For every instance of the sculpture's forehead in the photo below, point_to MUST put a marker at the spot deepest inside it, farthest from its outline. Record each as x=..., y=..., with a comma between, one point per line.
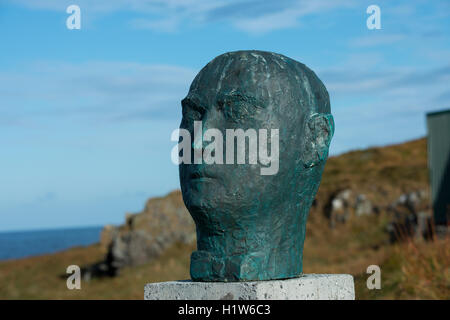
x=249, y=75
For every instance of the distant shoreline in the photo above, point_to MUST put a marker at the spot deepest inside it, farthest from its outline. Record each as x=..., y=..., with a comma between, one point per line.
x=30, y=243
x=50, y=229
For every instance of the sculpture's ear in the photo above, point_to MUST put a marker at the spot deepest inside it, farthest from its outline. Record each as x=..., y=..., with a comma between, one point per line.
x=318, y=133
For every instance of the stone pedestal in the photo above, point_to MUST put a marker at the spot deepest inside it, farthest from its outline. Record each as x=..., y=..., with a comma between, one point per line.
x=305, y=287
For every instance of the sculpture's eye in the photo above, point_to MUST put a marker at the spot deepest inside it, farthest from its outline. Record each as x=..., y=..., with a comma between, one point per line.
x=235, y=111
x=192, y=111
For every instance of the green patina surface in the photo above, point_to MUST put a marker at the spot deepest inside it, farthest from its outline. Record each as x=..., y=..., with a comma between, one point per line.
x=252, y=226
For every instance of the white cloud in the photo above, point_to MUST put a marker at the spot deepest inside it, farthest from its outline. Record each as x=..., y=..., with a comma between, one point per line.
x=384, y=106
x=268, y=22
x=364, y=101
x=106, y=91
x=254, y=16
x=163, y=25
x=374, y=40
x=286, y=17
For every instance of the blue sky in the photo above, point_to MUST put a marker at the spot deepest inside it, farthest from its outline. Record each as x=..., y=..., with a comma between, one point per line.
x=86, y=115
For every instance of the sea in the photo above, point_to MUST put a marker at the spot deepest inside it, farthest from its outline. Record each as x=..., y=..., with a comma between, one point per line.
x=20, y=244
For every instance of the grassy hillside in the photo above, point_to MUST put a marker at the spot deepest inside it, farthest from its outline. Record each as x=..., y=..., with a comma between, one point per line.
x=382, y=172
x=414, y=269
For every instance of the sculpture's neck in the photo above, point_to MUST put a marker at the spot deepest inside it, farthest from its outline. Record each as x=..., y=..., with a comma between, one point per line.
x=266, y=244
x=270, y=248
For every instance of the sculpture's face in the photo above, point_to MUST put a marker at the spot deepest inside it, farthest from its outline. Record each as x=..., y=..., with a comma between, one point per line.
x=240, y=98
x=251, y=214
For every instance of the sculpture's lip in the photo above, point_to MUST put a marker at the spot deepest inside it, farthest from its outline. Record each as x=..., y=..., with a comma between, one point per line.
x=200, y=175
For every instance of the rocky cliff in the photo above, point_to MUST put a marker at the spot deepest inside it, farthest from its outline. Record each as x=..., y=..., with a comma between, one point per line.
x=145, y=235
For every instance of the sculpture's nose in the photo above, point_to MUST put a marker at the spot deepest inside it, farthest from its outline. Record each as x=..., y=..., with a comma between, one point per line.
x=210, y=120
x=197, y=143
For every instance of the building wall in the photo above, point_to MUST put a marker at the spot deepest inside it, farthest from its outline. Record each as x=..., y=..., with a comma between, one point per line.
x=438, y=124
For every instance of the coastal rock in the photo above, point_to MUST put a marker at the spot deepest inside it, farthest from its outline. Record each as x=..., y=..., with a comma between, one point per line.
x=146, y=235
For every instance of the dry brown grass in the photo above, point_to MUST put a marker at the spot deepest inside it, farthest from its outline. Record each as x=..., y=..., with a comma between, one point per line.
x=412, y=270
x=425, y=269
x=43, y=277
x=382, y=173
x=348, y=248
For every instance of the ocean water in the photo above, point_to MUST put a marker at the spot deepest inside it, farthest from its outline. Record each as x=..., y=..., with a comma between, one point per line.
x=19, y=244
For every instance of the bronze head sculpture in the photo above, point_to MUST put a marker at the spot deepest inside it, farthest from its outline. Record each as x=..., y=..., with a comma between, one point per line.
x=251, y=223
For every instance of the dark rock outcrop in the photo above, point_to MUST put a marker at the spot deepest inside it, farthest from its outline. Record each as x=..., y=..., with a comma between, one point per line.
x=338, y=207
x=411, y=216
x=344, y=203
x=145, y=235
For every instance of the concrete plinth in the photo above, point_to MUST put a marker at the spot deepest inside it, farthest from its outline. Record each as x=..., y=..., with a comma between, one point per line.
x=305, y=287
